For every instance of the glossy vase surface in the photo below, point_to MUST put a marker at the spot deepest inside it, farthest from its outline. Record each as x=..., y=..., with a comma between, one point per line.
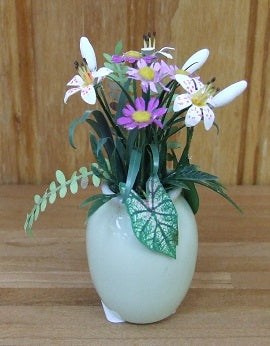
x=140, y=285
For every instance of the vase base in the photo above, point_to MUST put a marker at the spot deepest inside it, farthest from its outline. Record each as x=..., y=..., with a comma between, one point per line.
x=111, y=315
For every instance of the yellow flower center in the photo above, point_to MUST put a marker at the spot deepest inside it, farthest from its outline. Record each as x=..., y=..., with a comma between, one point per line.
x=147, y=73
x=141, y=116
x=133, y=54
x=200, y=98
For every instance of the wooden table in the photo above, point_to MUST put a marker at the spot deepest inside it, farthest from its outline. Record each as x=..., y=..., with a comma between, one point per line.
x=47, y=298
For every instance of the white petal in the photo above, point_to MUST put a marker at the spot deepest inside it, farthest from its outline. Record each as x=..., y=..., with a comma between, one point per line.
x=191, y=85
x=196, y=61
x=88, y=94
x=101, y=73
x=70, y=92
x=167, y=55
x=88, y=53
x=208, y=117
x=229, y=94
x=163, y=52
x=193, y=117
x=76, y=81
x=181, y=102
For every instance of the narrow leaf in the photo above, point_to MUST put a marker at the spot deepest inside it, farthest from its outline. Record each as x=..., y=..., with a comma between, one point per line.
x=73, y=126
x=133, y=169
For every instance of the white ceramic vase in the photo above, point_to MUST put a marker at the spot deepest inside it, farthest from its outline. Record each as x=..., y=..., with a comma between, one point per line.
x=134, y=283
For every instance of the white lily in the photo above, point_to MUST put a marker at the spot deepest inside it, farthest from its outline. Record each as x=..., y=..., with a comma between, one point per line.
x=228, y=94
x=88, y=75
x=149, y=47
x=196, y=61
x=201, y=99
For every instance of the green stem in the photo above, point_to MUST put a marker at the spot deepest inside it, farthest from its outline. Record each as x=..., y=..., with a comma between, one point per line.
x=104, y=104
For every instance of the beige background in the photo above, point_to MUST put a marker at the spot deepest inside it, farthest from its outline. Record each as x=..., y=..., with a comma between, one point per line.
x=39, y=42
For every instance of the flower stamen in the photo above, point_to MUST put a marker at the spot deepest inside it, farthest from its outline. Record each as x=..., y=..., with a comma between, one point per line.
x=200, y=97
x=84, y=72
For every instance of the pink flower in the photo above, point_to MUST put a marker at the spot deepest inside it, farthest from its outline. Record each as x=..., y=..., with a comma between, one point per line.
x=142, y=114
x=148, y=75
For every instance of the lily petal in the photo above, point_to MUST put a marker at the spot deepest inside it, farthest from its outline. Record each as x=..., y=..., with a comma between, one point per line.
x=191, y=85
x=76, y=81
x=88, y=53
x=228, y=94
x=163, y=52
x=193, y=116
x=88, y=94
x=208, y=117
x=181, y=102
x=70, y=92
x=102, y=72
x=196, y=61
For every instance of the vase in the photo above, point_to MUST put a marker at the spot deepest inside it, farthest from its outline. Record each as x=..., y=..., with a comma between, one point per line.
x=136, y=284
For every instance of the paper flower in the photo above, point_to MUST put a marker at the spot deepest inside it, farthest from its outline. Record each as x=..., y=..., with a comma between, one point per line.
x=148, y=75
x=88, y=75
x=148, y=52
x=200, y=98
x=142, y=114
x=190, y=66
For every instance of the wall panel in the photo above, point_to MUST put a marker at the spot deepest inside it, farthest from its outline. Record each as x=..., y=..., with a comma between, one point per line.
x=40, y=40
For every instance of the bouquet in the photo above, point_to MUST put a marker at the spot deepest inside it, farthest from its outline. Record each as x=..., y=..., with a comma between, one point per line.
x=144, y=102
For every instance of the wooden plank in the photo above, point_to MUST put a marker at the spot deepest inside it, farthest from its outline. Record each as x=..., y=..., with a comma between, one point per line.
x=47, y=296
x=40, y=41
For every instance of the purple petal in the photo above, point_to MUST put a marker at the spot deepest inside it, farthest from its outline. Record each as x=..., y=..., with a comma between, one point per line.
x=140, y=104
x=159, y=112
x=153, y=103
x=117, y=59
x=158, y=123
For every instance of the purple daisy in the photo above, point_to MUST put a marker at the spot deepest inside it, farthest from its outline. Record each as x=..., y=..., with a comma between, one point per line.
x=142, y=115
x=149, y=75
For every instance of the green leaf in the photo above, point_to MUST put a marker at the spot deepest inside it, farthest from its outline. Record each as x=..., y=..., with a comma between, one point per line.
x=73, y=126
x=96, y=202
x=155, y=156
x=74, y=186
x=43, y=204
x=36, y=213
x=37, y=199
x=52, y=186
x=96, y=180
x=154, y=220
x=63, y=191
x=191, y=196
x=133, y=169
x=107, y=57
x=52, y=197
x=173, y=145
x=118, y=48
x=60, y=177
x=83, y=171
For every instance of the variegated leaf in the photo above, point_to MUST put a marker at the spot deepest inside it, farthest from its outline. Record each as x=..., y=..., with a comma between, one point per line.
x=154, y=220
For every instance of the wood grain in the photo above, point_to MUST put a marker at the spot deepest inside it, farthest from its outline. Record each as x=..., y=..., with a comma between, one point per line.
x=40, y=40
x=47, y=296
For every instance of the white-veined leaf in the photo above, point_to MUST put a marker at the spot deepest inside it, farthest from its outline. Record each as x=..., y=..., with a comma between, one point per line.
x=154, y=220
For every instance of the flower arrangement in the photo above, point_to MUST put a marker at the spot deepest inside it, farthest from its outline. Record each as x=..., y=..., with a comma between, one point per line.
x=143, y=102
